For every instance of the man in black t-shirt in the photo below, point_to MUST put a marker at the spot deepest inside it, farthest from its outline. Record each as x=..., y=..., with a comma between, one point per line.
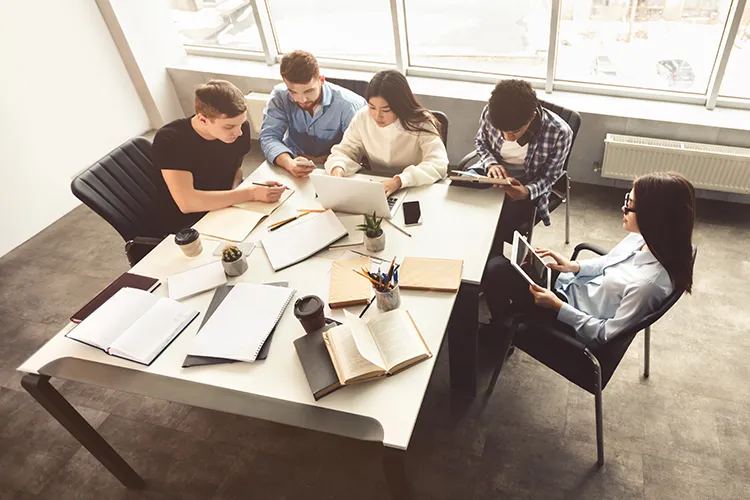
x=200, y=157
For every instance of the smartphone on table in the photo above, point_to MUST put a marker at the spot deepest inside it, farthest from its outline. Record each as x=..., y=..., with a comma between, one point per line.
x=412, y=213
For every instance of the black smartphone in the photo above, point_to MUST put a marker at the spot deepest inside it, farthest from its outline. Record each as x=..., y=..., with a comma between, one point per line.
x=412, y=213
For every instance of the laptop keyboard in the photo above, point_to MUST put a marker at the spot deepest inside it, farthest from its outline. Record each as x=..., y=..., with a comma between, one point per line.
x=392, y=201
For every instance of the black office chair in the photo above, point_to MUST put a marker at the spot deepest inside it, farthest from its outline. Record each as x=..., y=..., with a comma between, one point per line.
x=590, y=366
x=357, y=86
x=561, y=188
x=125, y=189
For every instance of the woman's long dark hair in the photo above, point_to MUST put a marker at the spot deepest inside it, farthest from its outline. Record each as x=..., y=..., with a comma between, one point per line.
x=393, y=87
x=665, y=212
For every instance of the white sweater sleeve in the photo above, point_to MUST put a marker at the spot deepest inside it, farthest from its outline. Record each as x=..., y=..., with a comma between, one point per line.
x=434, y=164
x=349, y=151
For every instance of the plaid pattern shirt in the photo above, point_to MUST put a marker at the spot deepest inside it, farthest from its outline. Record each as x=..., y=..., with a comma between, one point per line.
x=544, y=159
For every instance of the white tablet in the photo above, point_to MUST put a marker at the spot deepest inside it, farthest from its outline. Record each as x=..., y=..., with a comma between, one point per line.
x=528, y=263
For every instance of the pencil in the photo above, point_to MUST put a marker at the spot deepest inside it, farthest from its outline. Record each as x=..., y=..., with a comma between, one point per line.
x=309, y=210
x=394, y=225
x=367, y=306
x=373, y=257
x=267, y=185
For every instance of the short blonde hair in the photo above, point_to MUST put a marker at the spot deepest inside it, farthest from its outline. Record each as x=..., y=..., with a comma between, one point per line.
x=219, y=98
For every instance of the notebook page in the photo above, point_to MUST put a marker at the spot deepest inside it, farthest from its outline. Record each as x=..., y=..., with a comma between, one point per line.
x=196, y=280
x=260, y=207
x=231, y=223
x=242, y=322
x=350, y=223
x=151, y=333
x=302, y=238
x=113, y=317
x=396, y=337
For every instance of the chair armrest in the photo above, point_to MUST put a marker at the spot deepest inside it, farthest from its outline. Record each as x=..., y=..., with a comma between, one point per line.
x=587, y=246
x=467, y=159
x=138, y=247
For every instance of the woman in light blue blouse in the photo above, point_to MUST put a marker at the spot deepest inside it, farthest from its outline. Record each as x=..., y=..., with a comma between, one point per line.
x=598, y=298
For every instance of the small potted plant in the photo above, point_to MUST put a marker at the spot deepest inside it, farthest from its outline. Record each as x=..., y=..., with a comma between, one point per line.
x=374, y=235
x=234, y=262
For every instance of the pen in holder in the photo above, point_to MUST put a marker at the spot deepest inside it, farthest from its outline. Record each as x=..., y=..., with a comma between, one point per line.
x=387, y=294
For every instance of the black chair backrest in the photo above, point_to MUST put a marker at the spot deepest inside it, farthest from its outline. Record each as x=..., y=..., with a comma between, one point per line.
x=125, y=189
x=572, y=118
x=443, y=119
x=356, y=86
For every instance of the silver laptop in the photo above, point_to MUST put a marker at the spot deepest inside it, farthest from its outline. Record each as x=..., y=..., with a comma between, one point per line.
x=355, y=195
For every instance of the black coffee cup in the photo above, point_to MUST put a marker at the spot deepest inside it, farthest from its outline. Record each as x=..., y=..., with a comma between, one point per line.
x=309, y=311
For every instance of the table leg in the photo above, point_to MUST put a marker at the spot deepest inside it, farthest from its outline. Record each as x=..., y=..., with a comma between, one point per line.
x=46, y=395
x=395, y=474
x=462, y=340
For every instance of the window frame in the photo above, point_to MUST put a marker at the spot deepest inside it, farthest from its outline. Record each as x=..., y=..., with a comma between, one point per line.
x=710, y=99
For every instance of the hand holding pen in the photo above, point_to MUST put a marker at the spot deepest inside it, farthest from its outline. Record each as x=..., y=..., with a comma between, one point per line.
x=268, y=192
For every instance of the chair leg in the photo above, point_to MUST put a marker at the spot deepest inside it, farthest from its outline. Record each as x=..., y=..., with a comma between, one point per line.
x=567, y=209
x=597, y=407
x=647, y=352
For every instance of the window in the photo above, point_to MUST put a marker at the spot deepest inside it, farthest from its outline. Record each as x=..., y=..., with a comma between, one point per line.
x=735, y=83
x=218, y=23
x=656, y=44
x=501, y=36
x=357, y=30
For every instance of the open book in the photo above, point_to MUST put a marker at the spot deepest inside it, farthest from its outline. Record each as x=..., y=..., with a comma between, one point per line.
x=134, y=324
x=236, y=222
x=384, y=345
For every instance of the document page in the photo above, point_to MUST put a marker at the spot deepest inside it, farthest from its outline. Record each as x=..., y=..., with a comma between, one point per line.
x=348, y=360
x=364, y=341
x=396, y=337
x=115, y=316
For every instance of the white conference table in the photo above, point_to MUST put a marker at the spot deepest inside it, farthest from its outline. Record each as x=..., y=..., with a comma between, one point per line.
x=458, y=223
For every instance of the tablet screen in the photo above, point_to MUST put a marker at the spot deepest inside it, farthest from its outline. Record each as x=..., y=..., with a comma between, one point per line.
x=530, y=263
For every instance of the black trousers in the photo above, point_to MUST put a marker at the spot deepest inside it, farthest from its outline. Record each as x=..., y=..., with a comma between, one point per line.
x=507, y=293
x=514, y=215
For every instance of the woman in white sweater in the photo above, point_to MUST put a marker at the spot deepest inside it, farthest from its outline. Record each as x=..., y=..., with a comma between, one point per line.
x=395, y=133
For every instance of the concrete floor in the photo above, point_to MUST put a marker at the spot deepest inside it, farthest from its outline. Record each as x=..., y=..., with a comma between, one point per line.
x=682, y=434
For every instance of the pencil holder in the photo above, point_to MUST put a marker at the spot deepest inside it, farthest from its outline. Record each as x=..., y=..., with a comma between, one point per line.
x=389, y=300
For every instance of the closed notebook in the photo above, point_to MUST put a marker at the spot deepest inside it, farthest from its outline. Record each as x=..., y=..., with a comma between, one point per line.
x=126, y=280
x=347, y=287
x=243, y=321
x=302, y=238
x=442, y=275
x=134, y=324
x=219, y=295
x=196, y=280
x=354, y=237
x=316, y=362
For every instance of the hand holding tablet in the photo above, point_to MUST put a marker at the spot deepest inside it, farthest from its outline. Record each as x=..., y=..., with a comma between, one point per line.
x=528, y=263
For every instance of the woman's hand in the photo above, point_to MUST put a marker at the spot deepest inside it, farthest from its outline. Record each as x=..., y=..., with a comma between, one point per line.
x=561, y=263
x=545, y=298
x=391, y=185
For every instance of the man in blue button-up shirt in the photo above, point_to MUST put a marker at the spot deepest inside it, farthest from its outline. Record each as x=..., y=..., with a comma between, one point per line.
x=305, y=116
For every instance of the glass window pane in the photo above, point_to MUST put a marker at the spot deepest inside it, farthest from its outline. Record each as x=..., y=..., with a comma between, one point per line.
x=655, y=44
x=357, y=30
x=502, y=36
x=735, y=82
x=217, y=23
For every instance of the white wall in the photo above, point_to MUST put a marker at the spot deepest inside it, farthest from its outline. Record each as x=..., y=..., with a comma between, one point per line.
x=65, y=101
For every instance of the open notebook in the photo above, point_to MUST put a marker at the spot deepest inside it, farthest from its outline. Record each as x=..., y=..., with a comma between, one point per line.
x=243, y=321
x=134, y=324
x=302, y=238
x=236, y=222
x=364, y=350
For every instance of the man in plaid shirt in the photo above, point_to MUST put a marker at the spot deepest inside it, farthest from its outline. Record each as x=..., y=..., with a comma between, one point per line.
x=525, y=143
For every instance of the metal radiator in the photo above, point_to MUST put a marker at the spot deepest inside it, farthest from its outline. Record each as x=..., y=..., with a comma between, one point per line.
x=707, y=166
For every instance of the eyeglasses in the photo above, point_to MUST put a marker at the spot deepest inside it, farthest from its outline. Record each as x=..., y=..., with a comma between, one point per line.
x=625, y=207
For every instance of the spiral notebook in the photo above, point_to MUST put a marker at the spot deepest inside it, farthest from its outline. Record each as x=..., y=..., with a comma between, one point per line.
x=241, y=324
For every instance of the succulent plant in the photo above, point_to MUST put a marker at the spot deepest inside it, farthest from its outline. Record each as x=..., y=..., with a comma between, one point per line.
x=231, y=253
x=371, y=227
